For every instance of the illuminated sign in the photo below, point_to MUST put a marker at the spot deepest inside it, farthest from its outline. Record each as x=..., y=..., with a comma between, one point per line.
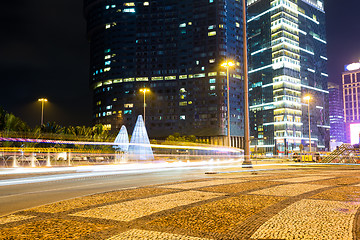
x=354, y=133
x=352, y=67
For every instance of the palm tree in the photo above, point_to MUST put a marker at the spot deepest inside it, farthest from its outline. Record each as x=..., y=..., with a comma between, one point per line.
x=53, y=128
x=13, y=123
x=12, y=126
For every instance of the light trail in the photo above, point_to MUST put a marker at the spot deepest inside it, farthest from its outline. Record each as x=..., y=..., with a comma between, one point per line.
x=65, y=188
x=98, y=170
x=218, y=149
x=273, y=169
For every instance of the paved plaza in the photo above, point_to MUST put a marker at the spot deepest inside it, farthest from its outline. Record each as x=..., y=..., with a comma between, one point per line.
x=298, y=203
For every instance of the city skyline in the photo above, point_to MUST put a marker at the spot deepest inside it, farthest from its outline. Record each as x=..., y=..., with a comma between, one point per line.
x=45, y=46
x=175, y=49
x=288, y=62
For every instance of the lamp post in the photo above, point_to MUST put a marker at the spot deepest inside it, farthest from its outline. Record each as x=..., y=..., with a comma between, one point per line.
x=307, y=98
x=247, y=161
x=144, y=91
x=43, y=101
x=227, y=65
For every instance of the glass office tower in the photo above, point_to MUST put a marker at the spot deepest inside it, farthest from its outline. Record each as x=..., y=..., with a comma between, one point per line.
x=173, y=48
x=287, y=44
x=336, y=113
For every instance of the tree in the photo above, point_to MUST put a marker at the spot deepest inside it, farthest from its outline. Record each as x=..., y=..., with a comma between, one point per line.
x=301, y=147
x=52, y=127
x=12, y=126
x=176, y=137
x=2, y=119
x=13, y=123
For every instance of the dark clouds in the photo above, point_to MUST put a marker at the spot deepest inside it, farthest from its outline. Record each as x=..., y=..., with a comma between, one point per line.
x=44, y=52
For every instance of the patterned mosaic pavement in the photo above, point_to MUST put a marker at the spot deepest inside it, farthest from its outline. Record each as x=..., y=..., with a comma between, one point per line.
x=303, y=204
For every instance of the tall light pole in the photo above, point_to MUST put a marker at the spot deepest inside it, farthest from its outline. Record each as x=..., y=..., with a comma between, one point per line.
x=246, y=90
x=307, y=98
x=43, y=101
x=227, y=65
x=144, y=91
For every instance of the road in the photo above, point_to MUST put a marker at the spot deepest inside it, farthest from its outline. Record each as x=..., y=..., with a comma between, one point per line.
x=23, y=192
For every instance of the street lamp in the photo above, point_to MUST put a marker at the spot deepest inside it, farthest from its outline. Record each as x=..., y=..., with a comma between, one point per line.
x=307, y=98
x=227, y=65
x=247, y=161
x=144, y=91
x=43, y=101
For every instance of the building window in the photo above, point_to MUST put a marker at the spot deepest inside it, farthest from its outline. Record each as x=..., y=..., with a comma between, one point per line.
x=128, y=105
x=127, y=111
x=212, y=33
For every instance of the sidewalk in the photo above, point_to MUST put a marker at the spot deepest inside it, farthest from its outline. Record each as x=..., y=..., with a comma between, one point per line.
x=313, y=203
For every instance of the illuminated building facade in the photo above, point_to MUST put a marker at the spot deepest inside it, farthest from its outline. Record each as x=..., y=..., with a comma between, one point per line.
x=287, y=49
x=174, y=48
x=351, y=97
x=336, y=113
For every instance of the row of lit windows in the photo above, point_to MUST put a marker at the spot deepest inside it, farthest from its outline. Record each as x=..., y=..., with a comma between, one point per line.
x=287, y=111
x=287, y=98
x=287, y=62
x=351, y=91
x=285, y=40
x=127, y=4
x=288, y=79
x=288, y=133
x=349, y=79
x=286, y=3
x=160, y=78
x=288, y=118
x=129, y=112
x=284, y=52
x=283, y=33
x=284, y=14
x=280, y=22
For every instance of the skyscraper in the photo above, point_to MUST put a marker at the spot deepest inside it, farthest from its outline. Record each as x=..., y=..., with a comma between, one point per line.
x=336, y=113
x=287, y=44
x=174, y=48
x=351, y=97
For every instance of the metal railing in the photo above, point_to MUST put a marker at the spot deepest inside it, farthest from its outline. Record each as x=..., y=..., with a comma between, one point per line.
x=346, y=153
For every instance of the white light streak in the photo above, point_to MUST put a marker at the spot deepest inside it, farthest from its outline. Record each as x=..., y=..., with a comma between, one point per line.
x=311, y=70
x=316, y=89
x=325, y=58
x=259, y=69
x=320, y=40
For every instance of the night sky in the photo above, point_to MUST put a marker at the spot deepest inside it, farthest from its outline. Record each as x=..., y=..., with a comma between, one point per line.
x=44, y=53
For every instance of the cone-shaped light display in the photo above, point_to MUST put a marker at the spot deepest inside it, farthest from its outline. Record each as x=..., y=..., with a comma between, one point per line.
x=139, y=148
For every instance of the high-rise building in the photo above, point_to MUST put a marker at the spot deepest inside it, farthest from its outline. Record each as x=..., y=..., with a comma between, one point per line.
x=174, y=48
x=351, y=97
x=287, y=44
x=336, y=113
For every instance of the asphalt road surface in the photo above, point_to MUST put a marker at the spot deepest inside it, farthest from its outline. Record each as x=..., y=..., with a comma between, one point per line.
x=27, y=191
